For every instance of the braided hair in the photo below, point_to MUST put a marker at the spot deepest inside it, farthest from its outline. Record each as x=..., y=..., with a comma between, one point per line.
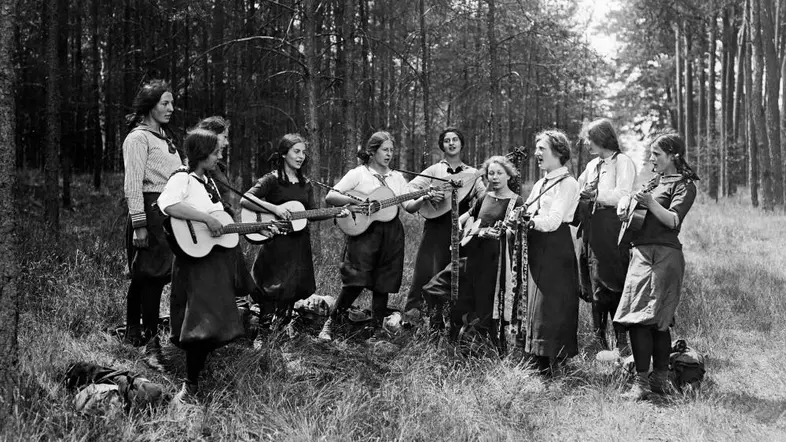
x=672, y=143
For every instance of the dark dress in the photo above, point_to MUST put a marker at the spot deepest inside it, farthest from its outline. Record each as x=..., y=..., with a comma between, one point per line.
x=433, y=254
x=553, y=304
x=478, y=268
x=284, y=267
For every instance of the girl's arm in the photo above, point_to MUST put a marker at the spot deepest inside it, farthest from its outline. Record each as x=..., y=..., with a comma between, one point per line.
x=184, y=211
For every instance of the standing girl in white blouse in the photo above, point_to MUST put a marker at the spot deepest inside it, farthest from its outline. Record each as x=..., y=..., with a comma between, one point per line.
x=602, y=263
x=202, y=304
x=553, y=303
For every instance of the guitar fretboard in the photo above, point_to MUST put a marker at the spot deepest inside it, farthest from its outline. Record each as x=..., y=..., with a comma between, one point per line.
x=316, y=213
x=244, y=228
x=401, y=198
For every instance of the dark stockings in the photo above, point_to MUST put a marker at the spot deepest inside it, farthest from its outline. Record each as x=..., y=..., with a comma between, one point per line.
x=195, y=362
x=647, y=342
x=143, y=299
x=348, y=295
x=601, y=312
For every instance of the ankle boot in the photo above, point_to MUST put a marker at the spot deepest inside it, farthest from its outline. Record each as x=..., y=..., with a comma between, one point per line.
x=327, y=331
x=660, y=382
x=133, y=336
x=640, y=389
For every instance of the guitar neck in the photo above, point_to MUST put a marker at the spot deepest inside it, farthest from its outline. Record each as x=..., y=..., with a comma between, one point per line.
x=317, y=213
x=401, y=198
x=245, y=228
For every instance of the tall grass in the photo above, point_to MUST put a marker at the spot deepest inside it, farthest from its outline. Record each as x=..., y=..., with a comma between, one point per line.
x=407, y=388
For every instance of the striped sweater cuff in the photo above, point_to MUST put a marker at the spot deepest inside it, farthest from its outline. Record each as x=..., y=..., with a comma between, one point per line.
x=138, y=220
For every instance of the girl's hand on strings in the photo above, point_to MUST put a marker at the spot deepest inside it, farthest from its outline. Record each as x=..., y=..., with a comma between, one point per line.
x=282, y=212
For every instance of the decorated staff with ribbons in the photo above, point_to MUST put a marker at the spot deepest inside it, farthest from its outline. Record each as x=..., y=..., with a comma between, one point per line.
x=550, y=328
x=434, y=250
x=654, y=279
x=284, y=266
x=485, y=266
x=202, y=303
x=602, y=263
x=150, y=157
x=374, y=251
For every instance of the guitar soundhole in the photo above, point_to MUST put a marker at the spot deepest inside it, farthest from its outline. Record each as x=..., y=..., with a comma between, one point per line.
x=191, y=231
x=259, y=217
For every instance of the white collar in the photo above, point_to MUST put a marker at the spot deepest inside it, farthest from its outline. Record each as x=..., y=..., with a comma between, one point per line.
x=557, y=172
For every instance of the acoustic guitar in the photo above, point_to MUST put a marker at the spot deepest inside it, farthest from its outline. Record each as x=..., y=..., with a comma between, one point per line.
x=297, y=222
x=380, y=205
x=634, y=217
x=193, y=238
x=472, y=229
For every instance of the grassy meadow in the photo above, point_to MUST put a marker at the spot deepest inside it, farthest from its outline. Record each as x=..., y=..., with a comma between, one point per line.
x=408, y=388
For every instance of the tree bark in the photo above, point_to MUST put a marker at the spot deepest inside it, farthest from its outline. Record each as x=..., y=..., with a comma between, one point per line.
x=65, y=106
x=311, y=76
x=690, y=129
x=348, y=102
x=424, y=81
x=53, y=104
x=757, y=109
x=9, y=294
x=772, y=85
x=712, y=136
x=678, y=75
x=493, y=76
x=98, y=144
x=753, y=157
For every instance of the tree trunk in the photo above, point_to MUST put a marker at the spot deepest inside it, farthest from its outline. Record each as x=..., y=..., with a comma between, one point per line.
x=424, y=81
x=702, y=144
x=52, y=143
x=753, y=157
x=712, y=136
x=736, y=125
x=348, y=102
x=98, y=145
x=493, y=76
x=678, y=75
x=311, y=76
x=65, y=107
x=690, y=129
x=757, y=109
x=9, y=295
x=772, y=112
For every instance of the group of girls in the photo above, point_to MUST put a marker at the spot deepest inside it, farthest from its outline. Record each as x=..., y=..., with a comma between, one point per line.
x=642, y=300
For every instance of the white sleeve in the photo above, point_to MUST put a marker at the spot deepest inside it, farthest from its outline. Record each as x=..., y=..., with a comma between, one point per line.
x=175, y=191
x=626, y=176
x=564, y=201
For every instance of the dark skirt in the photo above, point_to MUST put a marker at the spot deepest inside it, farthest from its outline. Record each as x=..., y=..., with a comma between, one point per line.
x=478, y=269
x=433, y=255
x=553, y=304
x=604, y=263
x=155, y=260
x=284, y=267
x=375, y=258
x=202, y=304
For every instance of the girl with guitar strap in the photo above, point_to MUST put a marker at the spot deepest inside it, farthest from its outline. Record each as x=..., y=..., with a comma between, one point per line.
x=434, y=250
x=550, y=330
x=654, y=279
x=373, y=259
x=202, y=303
x=284, y=266
x=483, y=255
x=602, y=263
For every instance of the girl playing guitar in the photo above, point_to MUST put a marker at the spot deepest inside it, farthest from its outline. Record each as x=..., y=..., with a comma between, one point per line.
x=374, y=259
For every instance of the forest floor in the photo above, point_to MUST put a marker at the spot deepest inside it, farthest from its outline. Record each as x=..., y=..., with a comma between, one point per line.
x=406, y=388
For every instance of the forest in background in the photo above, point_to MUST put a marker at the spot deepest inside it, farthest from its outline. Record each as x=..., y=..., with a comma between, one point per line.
x=333, y=70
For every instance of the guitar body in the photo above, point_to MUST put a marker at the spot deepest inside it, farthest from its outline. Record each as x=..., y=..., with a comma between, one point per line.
x=194, y=239
x=354, y=226
x=633, y=222
x=430, y=210
x=250, y=216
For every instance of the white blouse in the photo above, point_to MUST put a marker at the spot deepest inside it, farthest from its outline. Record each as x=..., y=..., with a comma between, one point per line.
x=557, y=205
x=617, y=175
x=189, y=189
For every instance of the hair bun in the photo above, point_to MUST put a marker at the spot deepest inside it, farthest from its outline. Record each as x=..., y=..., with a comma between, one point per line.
x=362, y=154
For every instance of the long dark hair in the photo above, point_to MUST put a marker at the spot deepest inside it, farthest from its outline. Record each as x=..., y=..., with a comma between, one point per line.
x=602, y=133
x=458, y=133
x=286, y=143
x=673, y=144
x=199, y=144
x=376, y=140
x=146, y=99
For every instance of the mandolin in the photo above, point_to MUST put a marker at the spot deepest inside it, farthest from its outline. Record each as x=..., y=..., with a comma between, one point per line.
x=297, y=222
x=193, y=238
x=634, y=217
